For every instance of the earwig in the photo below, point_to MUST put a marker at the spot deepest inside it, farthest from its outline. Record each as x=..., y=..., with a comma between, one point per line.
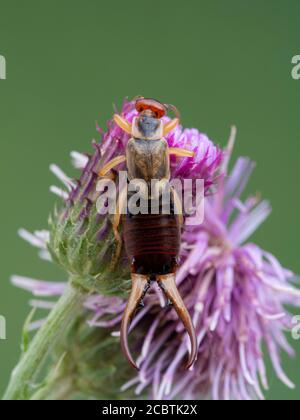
x=152, y=241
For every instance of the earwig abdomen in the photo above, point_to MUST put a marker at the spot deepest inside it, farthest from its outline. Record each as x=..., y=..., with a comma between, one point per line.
x=152, y=243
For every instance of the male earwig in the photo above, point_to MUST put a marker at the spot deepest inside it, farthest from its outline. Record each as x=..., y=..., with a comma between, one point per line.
x=152, y=242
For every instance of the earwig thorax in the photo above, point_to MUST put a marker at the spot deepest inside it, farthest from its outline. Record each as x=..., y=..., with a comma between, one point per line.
x=147, y=127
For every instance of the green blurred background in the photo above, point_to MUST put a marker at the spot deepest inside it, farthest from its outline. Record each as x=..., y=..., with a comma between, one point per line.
x=220, y=62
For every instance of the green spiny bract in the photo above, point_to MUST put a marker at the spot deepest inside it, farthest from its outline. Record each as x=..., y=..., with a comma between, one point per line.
x=86, y=364
x=84, y=247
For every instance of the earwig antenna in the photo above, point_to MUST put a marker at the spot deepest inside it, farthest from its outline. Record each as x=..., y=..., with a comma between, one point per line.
x=173, y=109
x=136, y=98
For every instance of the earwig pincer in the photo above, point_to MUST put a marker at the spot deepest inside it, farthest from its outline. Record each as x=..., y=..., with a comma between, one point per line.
x=152, y=241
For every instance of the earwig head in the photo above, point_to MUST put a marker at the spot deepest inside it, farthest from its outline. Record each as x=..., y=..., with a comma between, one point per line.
x=148, y=125
x=150, y=107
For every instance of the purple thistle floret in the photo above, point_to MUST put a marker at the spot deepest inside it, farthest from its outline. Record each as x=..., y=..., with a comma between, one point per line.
x=235, y=292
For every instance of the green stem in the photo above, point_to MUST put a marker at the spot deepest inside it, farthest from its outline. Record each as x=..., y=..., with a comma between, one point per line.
x=32, y=361
x=62, y=390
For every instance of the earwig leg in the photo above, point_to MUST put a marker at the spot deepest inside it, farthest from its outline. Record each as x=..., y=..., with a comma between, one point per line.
x=178, y=206
x=181, y=152
x=140, y=285
x=111, y=164
x=118, y=250
x=122, y=123
x=169, y=126
x=168, y=285
x=116, y=221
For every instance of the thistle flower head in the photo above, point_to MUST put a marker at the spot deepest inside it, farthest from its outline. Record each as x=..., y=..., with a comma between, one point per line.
x=235, y=292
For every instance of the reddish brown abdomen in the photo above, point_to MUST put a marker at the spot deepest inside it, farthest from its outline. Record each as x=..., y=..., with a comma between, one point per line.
x=152, y=242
